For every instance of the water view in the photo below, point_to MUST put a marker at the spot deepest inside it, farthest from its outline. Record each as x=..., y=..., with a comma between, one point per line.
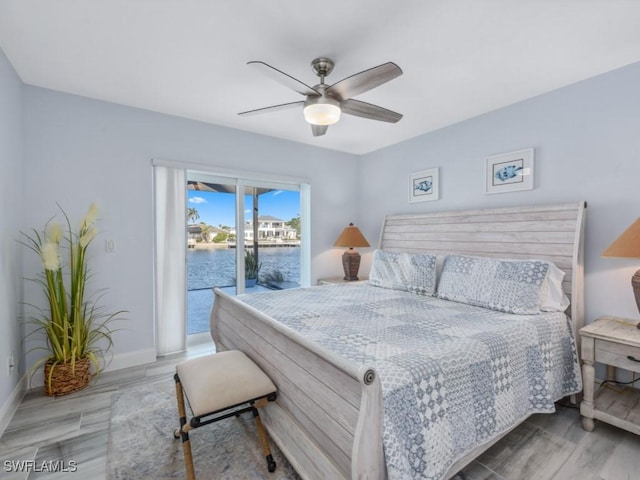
x=216, y=267
x=208, y=268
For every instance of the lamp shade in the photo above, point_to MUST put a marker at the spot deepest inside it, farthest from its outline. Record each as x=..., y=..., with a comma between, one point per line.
x=351, y=237
x=627, y=245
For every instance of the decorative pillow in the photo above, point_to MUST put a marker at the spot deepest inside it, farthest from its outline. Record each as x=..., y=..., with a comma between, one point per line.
x=512, y=286
x=404, y=271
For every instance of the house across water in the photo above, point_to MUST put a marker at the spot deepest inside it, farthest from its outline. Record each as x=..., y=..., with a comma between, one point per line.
x=270, y=229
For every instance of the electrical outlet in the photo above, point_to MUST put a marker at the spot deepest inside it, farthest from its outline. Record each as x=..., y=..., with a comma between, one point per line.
x=110, y=245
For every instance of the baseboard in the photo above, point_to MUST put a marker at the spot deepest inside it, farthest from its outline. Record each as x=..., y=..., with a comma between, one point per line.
x=12, y=403
x=198, y=339
x=131, y=359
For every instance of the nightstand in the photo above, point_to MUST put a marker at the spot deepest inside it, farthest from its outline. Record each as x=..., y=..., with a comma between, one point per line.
x=614, y=342
x=337, y=280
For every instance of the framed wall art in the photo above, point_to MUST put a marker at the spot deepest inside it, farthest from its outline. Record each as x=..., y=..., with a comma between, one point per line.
x=424, y=186
x=509, y=172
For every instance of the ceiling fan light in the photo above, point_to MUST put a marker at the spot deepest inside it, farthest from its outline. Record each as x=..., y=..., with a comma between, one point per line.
x=322, y=113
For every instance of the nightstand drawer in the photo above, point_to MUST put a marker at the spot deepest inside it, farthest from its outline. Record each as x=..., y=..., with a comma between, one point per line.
x=616, y=354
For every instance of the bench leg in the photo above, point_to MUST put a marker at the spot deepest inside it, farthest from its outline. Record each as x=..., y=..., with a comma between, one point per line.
x=183, y=431
x=271, y=464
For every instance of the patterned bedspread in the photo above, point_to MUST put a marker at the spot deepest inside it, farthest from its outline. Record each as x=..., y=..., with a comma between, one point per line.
x=453, y=375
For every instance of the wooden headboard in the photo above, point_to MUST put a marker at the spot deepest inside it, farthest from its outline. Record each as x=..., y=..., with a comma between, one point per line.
x=551, y=232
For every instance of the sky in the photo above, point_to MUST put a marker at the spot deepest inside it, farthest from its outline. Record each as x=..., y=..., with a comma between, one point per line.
x=219, y=208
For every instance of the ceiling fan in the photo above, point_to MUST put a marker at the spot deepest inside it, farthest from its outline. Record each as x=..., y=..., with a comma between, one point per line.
x=324, y=103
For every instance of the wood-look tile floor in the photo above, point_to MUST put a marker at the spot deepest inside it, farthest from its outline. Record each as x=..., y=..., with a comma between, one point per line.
x=76, y=427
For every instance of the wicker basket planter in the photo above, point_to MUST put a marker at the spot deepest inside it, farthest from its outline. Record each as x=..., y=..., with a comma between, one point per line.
x=65, y=379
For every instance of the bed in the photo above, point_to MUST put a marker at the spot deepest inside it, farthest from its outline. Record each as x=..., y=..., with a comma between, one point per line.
x=331, y=419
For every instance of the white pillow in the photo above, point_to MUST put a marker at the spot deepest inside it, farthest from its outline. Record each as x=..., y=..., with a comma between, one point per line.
x=552, y=296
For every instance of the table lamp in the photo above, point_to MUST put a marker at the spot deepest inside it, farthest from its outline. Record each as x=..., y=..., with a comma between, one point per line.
x=351, y=237
x=627, y=245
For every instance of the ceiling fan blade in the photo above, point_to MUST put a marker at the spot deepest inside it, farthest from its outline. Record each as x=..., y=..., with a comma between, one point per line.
x=368, y=110
x=319, y=130
x=364, y=81
x=284, y=78
x=273, y=108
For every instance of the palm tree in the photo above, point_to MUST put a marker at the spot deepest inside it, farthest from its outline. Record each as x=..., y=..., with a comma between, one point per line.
x=294, y=223
x=205, y=230
x=192, y=214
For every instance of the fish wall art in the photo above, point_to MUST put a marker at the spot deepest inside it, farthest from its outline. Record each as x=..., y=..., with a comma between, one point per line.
x=424, y=185
x=509, y=172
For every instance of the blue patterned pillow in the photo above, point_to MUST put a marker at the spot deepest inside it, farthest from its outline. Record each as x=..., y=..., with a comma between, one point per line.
x=404, y=271
x=512, y=286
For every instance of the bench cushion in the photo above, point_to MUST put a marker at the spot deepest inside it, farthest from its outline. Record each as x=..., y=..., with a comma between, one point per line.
x=221, y=380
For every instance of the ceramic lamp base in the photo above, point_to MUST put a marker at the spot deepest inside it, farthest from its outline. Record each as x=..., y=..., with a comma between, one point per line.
x=351, y=264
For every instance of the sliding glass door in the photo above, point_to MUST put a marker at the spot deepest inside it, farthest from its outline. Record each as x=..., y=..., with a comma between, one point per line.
x=244, y=236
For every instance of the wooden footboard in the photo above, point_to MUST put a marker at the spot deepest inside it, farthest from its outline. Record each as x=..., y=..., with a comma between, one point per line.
x=328, y=416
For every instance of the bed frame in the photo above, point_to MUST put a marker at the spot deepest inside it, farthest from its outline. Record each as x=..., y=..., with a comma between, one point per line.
x=328, y=416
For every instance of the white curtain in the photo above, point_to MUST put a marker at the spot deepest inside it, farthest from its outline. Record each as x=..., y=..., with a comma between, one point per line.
x=170, y=268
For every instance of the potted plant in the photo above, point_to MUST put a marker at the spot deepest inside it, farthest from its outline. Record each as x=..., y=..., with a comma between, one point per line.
x=76, y=328
x=251, y=268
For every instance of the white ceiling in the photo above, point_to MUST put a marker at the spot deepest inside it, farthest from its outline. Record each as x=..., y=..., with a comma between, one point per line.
x=188, y=58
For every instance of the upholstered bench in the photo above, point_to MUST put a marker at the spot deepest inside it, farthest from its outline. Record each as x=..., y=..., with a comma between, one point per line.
x=216, y=387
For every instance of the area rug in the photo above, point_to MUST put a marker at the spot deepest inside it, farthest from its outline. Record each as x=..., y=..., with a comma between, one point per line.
x=142, y=446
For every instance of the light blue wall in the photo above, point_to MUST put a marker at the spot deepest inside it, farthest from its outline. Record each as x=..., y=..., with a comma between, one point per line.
x=80, y=150
x=11, y=196
x=587, y=147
